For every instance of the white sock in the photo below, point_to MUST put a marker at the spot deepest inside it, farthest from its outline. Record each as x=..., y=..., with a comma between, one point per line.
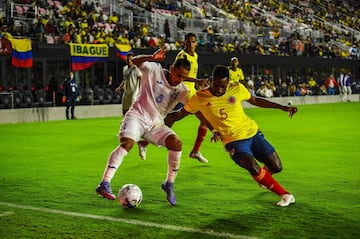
x=114, y=161
x=173, y=165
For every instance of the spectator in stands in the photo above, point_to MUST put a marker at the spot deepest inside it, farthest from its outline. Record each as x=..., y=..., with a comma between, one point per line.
x=354, y=52
x=102, y=17
x=283, y=89
x=307, y=47
x=167, y=29
x=98, y=9
x=70, y=36
x=180, y=23
x=331, y=85
x=114, y=19
x=322, y=90
x=5, y=33
x=313, y=85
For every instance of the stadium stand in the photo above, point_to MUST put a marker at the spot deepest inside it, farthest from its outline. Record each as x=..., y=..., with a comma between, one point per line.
x=323, y=29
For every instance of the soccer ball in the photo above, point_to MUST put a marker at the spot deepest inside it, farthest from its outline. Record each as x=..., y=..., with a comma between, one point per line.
x=130, y=195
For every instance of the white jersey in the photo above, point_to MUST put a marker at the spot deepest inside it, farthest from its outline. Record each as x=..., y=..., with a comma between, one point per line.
x=157, y=97
x=131, y=86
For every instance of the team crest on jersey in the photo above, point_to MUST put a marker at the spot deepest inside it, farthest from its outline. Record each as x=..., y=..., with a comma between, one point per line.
x=232, y=100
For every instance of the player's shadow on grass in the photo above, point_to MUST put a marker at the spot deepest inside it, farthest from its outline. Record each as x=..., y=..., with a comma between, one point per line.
x=302, y=219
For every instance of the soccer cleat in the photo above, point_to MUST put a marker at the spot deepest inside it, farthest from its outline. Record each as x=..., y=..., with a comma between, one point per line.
x=105, y=191
x=197, y=155
x=142, y=151
x=286, y=200
x=170, y=194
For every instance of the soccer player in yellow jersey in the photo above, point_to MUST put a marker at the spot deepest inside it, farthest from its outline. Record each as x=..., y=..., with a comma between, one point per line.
x=235, y=72
x=190, y=54
x=221, y=110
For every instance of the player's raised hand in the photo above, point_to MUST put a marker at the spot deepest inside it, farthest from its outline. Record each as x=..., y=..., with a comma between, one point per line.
x=159, y=55
x=203, y=83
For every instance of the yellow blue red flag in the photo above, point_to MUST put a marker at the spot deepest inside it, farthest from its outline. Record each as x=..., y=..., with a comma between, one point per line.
x=85, y=55
x=21, y=53
x=122, y=50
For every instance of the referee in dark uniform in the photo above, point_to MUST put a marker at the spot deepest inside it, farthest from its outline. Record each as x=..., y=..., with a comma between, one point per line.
x=71, y=92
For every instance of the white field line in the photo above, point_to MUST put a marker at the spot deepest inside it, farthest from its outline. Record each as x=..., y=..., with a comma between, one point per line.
x=130, y=221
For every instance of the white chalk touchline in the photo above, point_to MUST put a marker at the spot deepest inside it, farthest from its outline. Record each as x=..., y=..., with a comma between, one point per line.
x=129, y=221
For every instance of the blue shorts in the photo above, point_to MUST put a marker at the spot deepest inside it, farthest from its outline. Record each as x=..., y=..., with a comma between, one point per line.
x=178, y=107
x=256, y=147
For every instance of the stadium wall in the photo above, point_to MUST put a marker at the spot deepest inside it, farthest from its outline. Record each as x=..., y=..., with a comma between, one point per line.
x=12, y=116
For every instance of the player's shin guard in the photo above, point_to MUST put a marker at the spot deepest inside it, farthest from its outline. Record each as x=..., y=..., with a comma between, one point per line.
x=266, y=179
x=114, y=161
x=202, y=130
x=174, y=158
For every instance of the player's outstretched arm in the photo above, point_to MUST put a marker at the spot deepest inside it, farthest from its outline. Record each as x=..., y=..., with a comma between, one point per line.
x=158, y=55
x=263, y=103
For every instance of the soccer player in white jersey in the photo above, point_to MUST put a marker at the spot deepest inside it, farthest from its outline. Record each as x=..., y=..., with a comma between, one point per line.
x=130, y=84
x=161, y=91
x=221, y=107
x=189, y=53
x=345, y=86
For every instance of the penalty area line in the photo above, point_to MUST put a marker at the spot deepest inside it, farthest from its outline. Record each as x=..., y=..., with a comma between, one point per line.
x=129, y=221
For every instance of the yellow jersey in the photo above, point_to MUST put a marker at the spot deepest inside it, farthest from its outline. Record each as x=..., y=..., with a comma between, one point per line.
x=236, y=75
x=194, y=66
x=225, y=113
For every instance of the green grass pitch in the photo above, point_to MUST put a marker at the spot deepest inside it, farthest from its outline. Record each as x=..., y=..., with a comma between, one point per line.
x=49, y=172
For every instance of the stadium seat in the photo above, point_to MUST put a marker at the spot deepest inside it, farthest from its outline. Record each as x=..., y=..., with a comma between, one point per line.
x=5, y=100
x=98, y=95
x=18, y=99
x=41, y=99
x=28, y=99
x=108, y=96
x=19, y=11
x=117, y=98
x=87, y=97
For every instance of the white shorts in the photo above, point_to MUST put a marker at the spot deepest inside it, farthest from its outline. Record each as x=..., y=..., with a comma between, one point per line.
x=134, y=127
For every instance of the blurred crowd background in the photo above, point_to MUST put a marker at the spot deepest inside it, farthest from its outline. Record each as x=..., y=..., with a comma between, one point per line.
x=327, y=29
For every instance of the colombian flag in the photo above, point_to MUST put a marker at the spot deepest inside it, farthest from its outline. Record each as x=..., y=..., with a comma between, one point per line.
x=122, y=50
x=85, y=55
x=21, y=53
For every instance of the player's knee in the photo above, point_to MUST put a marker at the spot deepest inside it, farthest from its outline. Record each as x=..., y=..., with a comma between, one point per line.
x=276, y=169
x=127, y=143
x=173, y=143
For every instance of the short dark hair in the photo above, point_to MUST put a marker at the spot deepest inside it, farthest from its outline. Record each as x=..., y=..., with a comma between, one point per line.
x=220, y=71
x=182, y=62
x=188, y=35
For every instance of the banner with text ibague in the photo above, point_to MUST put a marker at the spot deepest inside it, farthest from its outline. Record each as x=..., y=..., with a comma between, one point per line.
x=85, y=55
